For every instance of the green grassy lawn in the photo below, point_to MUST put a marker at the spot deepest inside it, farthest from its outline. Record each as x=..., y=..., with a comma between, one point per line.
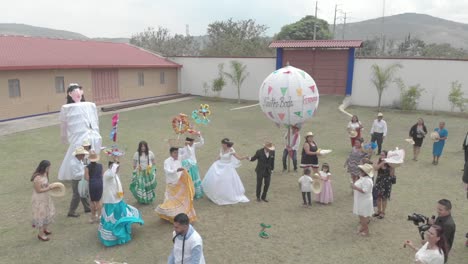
x=322, y=234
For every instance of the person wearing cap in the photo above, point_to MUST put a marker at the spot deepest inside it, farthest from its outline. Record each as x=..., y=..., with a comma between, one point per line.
x=363, y=204
x=77, y=169
x=189, y=161
x=78, y=122
x=439, y=144
x=310, y=153
x=379, y=131
x=178, y=197
x=293, y=141
x=94, y=175
x=188, y=244
x=265, y=165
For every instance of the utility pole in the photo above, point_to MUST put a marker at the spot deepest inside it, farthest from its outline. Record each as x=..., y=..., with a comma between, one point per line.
x=383, y=28
x=334, y=20
x=315, y=21
x=344, y=26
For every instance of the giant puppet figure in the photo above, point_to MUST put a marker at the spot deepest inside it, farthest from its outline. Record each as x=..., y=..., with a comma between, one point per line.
x=79, y=122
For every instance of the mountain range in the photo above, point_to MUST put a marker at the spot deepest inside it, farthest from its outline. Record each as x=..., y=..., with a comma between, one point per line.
x=425, y=27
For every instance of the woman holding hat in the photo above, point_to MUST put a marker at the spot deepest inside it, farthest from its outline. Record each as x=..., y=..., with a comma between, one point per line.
x=417, y=132
x=363, y=206
x=354, y=159
x=354, y=129
x=439, y=142
x=43, y=210
x=93, y=174
x=144, y=174
x=310, y=153
x=383, y=183
x=222, y=184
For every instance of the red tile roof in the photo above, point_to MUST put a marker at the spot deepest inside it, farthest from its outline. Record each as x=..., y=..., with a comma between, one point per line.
x=328, y=43
x=23, y=53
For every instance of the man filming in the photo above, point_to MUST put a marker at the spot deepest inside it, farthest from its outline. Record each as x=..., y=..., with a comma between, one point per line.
x=444, y=219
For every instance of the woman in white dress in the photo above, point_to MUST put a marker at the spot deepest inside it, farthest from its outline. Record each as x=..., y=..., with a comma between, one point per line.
x=363, y=203
x=222, y=184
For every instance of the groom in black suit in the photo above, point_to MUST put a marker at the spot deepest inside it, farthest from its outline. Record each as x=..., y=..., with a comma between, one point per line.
x=265, y=165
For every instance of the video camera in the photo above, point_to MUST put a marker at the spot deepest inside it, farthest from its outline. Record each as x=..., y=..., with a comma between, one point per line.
x=421, y=221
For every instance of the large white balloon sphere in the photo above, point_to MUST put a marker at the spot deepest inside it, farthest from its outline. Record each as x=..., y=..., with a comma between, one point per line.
x=289, y=96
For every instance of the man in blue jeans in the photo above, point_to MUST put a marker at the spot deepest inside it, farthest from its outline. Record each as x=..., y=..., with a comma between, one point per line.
x=293, y=141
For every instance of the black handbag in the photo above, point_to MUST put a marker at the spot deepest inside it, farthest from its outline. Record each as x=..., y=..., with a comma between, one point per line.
x=394, y=179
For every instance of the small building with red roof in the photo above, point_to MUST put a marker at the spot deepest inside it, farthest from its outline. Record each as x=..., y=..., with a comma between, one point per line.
x=35, y=73
x=329, y=62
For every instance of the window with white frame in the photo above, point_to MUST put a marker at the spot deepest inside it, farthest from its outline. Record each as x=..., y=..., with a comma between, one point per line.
x=14, y=89
x=162, y=79
x=141, y=79
x=59, y=84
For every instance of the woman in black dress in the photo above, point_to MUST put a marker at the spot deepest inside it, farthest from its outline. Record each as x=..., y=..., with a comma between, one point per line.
x=383, y=183
x=310, y=153
x=417, y=132
x=93, y=174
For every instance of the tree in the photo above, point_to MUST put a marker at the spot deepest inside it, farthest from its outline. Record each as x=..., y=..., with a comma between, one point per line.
x=444, y=51
x=411, y=47
x=409, y=95
x=455, y=97
x=161, y=41
x=382, y=77
x=237, y=38
x=304, y=29
x=237, y=75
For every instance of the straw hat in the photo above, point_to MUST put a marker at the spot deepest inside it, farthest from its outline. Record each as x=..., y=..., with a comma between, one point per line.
x=57, y=189
x=379, y=115
x=80, y=151
x=368, y=169
x=93, y=157
x=86, y=143
x=317, y=184
x=435, y=136
x=309, y=134
x=352, y=133
x=269, y=145
x=410, y=140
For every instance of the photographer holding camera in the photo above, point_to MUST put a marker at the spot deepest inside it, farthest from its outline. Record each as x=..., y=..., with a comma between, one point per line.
x=444, y=219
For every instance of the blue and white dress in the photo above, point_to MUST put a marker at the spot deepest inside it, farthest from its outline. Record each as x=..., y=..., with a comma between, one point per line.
x=117, y=217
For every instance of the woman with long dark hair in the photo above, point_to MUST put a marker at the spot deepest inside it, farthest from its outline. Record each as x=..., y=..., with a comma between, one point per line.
x=144, y=174
x=354, y=129
x=383, y=183
x=43, y=210
x=417, y=132
x=434, y=251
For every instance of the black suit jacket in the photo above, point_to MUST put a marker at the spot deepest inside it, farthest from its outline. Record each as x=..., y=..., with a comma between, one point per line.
x=264, y=165
x=464, y=141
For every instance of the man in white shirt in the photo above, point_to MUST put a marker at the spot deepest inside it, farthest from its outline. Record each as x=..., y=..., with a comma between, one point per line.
x=178, y=197
x=293, y=141
x=188, y=244
x=379, y=131
x=77, y=173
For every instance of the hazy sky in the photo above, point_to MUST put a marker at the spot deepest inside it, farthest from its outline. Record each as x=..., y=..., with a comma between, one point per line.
x=122, y=18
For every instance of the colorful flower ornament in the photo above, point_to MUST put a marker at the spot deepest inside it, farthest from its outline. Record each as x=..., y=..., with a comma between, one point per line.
x=201, y=115
x=180, y=124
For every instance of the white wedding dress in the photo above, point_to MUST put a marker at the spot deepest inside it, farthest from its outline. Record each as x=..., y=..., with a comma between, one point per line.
x=222, y=184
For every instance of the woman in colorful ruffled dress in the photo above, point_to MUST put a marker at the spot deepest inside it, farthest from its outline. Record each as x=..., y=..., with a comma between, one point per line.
x=43, y=210
x=144, y=172
x=117, y=217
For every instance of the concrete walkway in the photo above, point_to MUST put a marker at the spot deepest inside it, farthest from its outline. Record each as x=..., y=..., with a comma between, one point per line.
x=19, y=125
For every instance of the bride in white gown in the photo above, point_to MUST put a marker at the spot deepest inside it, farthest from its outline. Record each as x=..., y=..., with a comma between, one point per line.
x=222, y=184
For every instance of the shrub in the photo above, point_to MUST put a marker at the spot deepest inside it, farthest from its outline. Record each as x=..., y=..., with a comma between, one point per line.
x=455, y=97
x=409, y=96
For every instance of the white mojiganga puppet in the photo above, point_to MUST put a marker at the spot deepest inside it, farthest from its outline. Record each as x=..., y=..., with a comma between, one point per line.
x=79, y=122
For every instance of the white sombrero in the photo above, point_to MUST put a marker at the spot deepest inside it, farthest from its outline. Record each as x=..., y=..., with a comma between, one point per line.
x=435, y=136
x=410, y=140
x=324, y=151
x=317, y=184
x=352, y=133
x=395, y=157
x=57, y=189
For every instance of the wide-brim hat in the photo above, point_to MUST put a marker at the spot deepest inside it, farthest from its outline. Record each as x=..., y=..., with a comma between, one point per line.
x=352, y=133
x=379, y=115
x=86, y=143
x=435, y=136
x=317, y=186
x=269, y=145
x=368, y=169
x=410, y=140
x=93, y=157
x=57, y=189
x=80, y=151
x=309, y=134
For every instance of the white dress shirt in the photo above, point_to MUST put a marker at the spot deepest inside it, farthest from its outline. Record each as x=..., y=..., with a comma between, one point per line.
x=77, y=169
x=379, y=127
x=170, y=169
x=188, y=152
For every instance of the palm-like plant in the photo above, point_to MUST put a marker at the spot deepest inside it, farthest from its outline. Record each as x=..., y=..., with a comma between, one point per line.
x=237, y=75
x=382, y=77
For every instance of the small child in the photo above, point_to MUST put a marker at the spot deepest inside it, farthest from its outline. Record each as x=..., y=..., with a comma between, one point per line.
x=305, y=183
x=326, y=195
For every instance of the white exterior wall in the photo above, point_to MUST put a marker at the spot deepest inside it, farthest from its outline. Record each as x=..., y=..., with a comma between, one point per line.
x=197, y=70
x=435, y=76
